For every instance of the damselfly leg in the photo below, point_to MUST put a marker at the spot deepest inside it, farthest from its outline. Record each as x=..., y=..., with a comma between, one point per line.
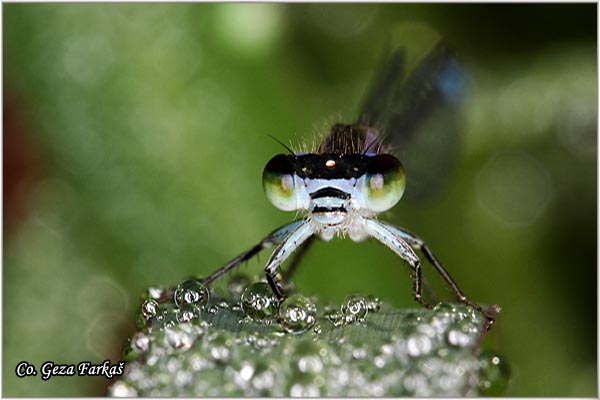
x=272, y=239
x=299, y=235
x=418, y=244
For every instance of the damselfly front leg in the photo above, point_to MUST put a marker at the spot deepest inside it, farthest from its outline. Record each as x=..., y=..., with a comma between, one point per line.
x=298, y=256
x=274, y=238
x=417, y=243
x=294, y=240
x=392, y=239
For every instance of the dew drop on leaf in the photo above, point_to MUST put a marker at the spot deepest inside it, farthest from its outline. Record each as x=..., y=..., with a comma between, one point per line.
x=191, y=291
x=297, y=314
x=259, y=302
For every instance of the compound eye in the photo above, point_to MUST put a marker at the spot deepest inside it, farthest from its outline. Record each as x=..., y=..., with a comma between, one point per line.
x=279, y=182
x=384, y=182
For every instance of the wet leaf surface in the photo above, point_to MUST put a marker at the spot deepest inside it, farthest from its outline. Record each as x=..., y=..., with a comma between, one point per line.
x=364, y=347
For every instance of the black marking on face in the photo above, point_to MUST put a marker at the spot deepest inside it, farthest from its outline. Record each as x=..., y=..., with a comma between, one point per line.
x=318, y=210
x=330, y=192
x=318, y=166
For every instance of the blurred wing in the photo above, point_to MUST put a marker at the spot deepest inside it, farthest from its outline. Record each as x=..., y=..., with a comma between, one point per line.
x=421, y=121
x=382, y=89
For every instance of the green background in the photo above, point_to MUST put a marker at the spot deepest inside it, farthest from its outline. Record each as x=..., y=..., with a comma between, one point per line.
x=135, y=136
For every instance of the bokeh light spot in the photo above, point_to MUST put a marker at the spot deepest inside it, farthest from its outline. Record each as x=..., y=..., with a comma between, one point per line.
x=578, y=127
x=249, y=28
x=514, y=188
x=101, y=294
x=87, y=59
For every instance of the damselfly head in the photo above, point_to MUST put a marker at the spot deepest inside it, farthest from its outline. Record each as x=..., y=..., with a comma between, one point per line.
x=340, y=183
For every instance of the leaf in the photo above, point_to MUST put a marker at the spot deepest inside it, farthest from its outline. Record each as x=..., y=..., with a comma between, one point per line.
x=362, y=348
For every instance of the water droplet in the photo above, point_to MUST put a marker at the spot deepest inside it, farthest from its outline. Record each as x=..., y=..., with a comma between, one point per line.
x=427, y=330
x=169, y=324
x=246, y=371
x=220, y=349
x=187, y=313
x=411, y=319
x=387, y=349
x=122, y=389
x=166, y=316
x=379, y=362
x=137, y=345
x=264, y=377
x=461, y=334
x=300, y=390
x=198, y=363
x=310, y=364
x=444, y=310
x=373, y=303
x=223, y=304
x=418, y=345
x=297, y=314
x=179, y=340
x=141, y=342
x=359, y=353
x=192, y=292
x=335, y=317
x=259, y=302
x=153, y=315
x=153, y=293
x=416, y=385
x=354, y=309
x=263, y=343
x=494, y=374
x=149, y=308
x=183, y=378
x=442, y=315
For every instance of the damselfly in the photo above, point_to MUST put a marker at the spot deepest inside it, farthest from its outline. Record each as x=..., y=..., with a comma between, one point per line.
x=353, y=176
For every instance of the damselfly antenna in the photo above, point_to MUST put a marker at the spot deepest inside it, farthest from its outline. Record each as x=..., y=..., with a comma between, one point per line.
x=282, y=144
